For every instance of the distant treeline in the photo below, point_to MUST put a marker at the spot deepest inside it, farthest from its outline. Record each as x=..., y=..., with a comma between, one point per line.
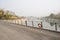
x=7, y=14
x=55, y=16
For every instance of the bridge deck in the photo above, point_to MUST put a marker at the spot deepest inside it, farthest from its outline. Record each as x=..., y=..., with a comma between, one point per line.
x=10, y=31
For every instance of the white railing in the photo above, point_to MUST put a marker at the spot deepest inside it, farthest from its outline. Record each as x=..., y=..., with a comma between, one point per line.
x=44, y=24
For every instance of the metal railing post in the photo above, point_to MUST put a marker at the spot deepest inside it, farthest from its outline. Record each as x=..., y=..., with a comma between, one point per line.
x=26, y=23
x=32, y=24
x=56, y=26
x=41, y=25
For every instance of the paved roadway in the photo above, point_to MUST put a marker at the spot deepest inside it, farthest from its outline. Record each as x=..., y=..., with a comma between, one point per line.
x=10, y=31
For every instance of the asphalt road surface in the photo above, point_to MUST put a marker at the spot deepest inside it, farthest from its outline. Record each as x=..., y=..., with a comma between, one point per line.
x=9, y=31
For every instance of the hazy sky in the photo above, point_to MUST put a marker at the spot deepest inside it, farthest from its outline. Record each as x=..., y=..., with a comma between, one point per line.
x=31, y=7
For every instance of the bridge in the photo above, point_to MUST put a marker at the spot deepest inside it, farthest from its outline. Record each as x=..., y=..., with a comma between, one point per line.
x=9, y=31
